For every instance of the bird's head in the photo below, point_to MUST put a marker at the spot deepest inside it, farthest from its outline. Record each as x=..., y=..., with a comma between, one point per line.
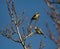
x=36, y=27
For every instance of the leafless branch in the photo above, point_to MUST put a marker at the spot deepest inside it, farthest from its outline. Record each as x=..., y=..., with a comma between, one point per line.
x=50, y=35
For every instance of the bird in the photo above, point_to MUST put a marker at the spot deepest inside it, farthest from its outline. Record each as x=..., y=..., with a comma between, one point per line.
x=39, y=31
x=35, y=16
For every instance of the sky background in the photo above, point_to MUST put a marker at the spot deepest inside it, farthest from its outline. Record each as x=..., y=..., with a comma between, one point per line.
x=30, y=7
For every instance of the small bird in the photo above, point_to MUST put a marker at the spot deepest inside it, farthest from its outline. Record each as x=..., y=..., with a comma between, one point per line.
x=35, y=16
x=39, y=31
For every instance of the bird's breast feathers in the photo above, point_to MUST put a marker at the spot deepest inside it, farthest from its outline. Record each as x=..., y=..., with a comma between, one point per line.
x=37, y=15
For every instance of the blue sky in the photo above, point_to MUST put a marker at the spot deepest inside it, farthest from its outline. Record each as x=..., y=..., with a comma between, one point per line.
x=30, y=7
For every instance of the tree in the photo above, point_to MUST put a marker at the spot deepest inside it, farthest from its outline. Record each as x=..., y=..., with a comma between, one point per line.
x=17, y=25
x=55, y=16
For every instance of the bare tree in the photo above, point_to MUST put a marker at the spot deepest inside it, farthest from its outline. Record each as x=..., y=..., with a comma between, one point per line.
x=55, y=16
x=17, y=23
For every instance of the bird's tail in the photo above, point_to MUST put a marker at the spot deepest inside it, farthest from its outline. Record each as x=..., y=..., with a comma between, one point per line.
x=43, y=35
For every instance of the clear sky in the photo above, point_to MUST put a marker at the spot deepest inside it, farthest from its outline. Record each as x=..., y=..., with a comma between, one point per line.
x=30, y=7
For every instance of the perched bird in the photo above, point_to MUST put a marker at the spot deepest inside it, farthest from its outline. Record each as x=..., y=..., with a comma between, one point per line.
x=35, y=16
x=39, y=31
